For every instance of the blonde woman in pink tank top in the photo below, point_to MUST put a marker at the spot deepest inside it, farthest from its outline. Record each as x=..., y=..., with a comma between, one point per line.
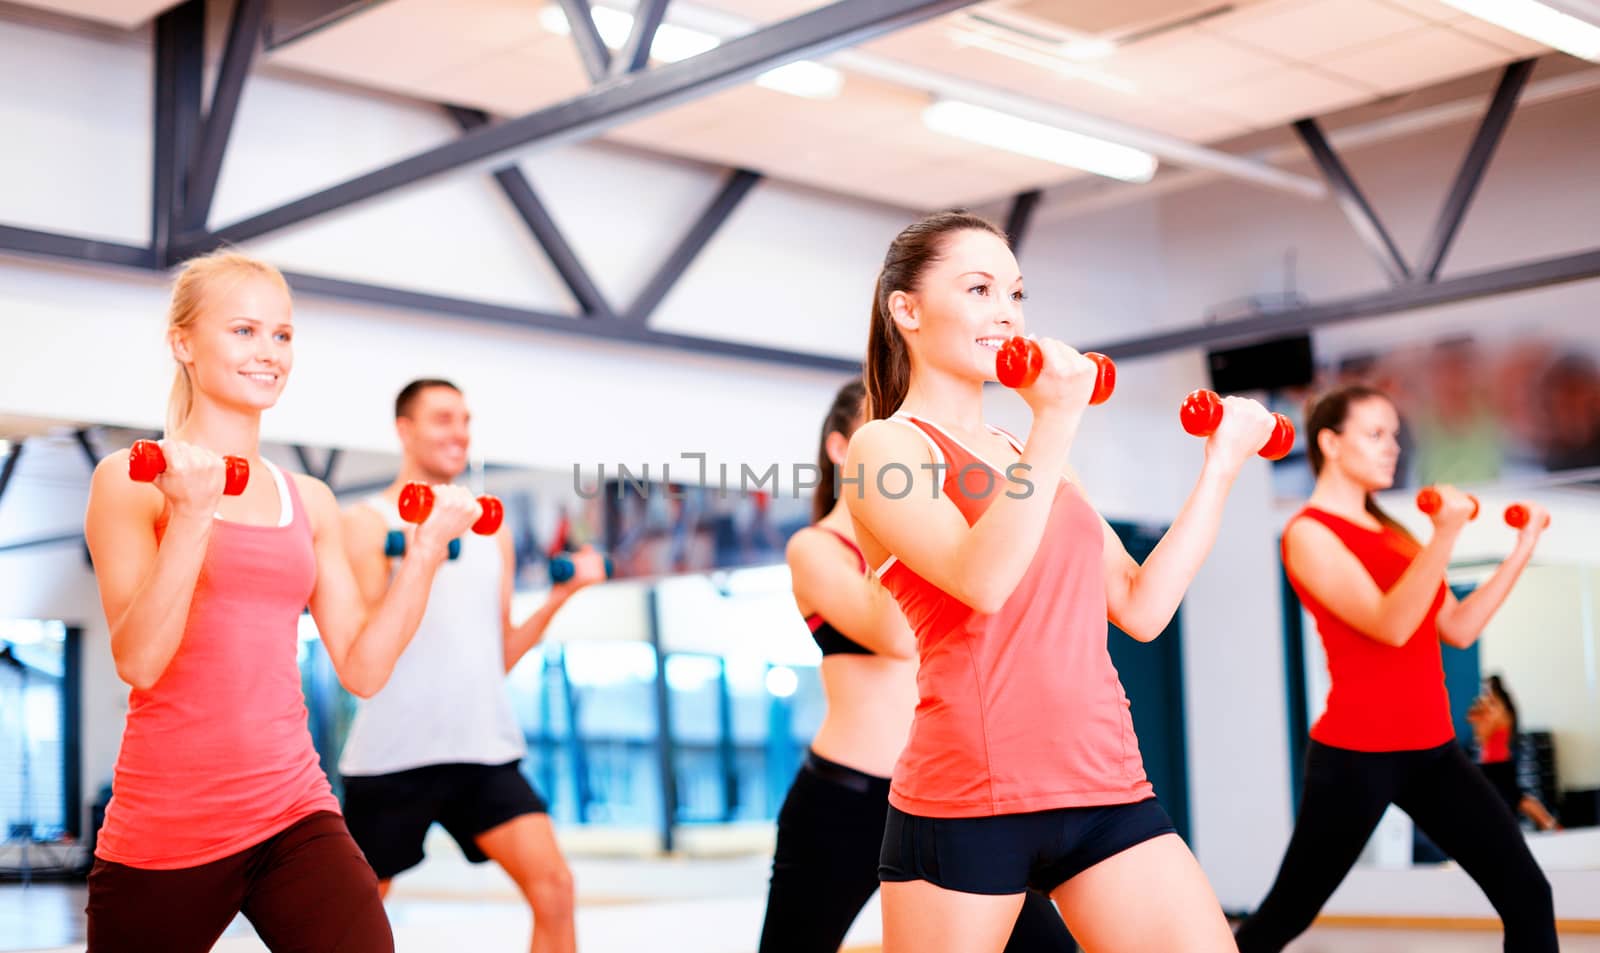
x=218, y=802
x=1022, y=769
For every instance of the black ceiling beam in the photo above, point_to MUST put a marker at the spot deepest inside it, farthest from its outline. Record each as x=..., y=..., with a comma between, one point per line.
x=1355, y=206
x=734, y=189
x=592, y=50
x=330, y=464
x=1581, y=266
x=9, y=467
x=598, y=332
x=1022, y=208
x=1470, y=176
x=519, y=191
x=37, y=541
x=840, y=24
x=635, y=54
x=26, y=241
x=244, y=37
x=86, y=442
x=324, y=472
x=179, y=74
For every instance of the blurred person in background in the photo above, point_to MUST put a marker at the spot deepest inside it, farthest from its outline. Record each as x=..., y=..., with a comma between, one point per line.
x=1493, y=717
x=1570, y=400
x=1458, y=437
x=1514, y=394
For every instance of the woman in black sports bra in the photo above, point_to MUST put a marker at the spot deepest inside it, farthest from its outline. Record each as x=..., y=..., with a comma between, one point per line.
x=830, y=829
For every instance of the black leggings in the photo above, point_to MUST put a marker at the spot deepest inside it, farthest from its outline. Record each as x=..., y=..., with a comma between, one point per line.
x=1346, y=792
x=830, y=833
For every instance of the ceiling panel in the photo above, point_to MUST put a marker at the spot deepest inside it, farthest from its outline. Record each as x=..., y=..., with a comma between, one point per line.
x=1257, y=67
x=1412, y=60
x=1514, y=43
x=1302, y=30
x=1189, y=62
x=541, y=72
x=1434, y=11
x=123, y=13
x=1288, y=94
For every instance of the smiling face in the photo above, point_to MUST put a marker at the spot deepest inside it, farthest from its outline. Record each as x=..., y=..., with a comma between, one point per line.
x=434, y=432
x=966, y=304
x=239, y=347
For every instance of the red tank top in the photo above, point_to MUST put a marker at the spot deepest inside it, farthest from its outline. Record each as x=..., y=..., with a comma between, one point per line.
x=1496, y=747
x=216, y=756
x=1020, y=710
x=1382, y=697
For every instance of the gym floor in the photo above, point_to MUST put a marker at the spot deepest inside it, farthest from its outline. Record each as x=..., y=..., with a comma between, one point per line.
x=706, y=906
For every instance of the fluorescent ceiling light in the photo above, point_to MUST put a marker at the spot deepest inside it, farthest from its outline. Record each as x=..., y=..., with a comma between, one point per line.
x=1539, y=23
x=673, y=43
x=804, y=78
x=1050, y=61
x=1000, y=130
x=1088, y=49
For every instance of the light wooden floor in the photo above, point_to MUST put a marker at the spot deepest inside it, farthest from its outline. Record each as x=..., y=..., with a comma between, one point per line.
x=48, y=917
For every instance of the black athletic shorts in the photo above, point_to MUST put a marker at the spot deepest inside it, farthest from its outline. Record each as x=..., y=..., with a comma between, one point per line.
x=389, y=814
x=1008, y=853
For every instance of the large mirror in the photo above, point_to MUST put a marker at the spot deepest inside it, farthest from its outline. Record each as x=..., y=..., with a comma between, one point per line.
x=694, y=643
x=1506, y=418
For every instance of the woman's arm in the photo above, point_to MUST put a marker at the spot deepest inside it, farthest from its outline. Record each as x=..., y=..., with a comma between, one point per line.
x=1141, y=599
x=363, y=646
x=1461, y=622
x=855, y=604
x=1321, y=563
x=146, y=586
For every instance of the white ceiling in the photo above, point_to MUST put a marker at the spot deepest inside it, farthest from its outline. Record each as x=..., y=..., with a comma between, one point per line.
x=1203, y=71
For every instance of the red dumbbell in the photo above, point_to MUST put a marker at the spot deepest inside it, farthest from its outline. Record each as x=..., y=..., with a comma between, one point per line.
x=146, y=462
x=416, y=502
x=1020, y=360
x=1201, y=415
x=1429, y=501
x=1517, y=516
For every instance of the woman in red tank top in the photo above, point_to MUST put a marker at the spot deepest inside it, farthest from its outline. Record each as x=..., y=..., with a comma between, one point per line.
x=218, y=804
x=1382, y=608
x=1022, y=769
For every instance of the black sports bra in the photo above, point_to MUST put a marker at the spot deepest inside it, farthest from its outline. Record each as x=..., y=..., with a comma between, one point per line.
x=830, y=640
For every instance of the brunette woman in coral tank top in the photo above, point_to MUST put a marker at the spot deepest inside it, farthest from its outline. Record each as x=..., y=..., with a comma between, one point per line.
x=1022, y=769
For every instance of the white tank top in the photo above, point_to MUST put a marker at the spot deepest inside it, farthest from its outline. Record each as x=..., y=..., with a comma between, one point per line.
x=446, y=702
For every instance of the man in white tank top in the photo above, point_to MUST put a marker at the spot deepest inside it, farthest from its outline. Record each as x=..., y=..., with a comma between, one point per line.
x=439, y=743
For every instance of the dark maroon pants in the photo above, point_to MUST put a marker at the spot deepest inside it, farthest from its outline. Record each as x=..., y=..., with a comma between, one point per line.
x=307, y=889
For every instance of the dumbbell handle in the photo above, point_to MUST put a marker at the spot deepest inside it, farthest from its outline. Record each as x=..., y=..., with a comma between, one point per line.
x=416, y=502
x=1021, y=360
x=1200, y=415
x=1517, y=516
x=146, y=462
x=1429, y=501
x=562, y=568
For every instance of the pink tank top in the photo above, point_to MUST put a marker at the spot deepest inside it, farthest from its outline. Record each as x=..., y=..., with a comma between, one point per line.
x=216, y=756
x=1021, y=710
